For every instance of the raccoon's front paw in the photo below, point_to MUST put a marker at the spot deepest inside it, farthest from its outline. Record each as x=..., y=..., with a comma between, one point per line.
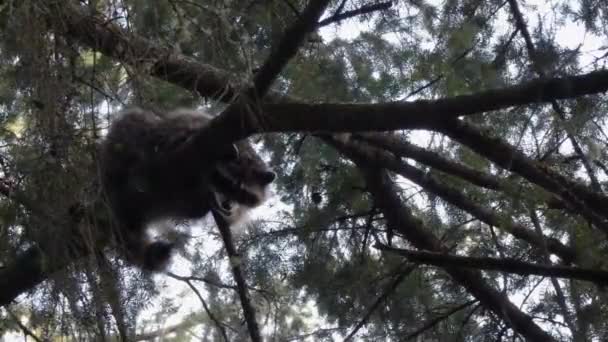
x=157, y=255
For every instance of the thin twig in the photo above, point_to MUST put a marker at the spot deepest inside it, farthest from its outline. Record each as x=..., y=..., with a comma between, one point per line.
x=216, y=321
x=438, y=320
x=387, y=292
x=23, y=327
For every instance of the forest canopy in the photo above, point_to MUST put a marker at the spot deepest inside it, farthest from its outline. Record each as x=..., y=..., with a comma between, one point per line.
x=442, y=171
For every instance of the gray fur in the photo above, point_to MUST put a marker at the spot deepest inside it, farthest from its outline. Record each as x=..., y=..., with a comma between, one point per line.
x=145, y=178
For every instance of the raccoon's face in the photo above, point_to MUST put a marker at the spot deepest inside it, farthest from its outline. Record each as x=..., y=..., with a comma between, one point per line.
x=241, y=183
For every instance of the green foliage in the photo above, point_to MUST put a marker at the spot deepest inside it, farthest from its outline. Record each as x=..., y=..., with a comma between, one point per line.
x=310, y=261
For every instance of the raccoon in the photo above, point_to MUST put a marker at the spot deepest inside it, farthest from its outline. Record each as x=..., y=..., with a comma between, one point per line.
x=146, y=178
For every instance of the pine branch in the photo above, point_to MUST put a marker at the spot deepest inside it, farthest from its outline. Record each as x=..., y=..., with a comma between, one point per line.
x=507, y=265
x=283, y=114
x=590, y=204
x=400, y=219
x=380, y=158
x=429, y=325
x=561, y=115
x=218, y=324
x=381, y=299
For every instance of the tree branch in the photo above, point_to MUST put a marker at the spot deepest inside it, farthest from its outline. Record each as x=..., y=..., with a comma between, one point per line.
x=589, y=204
x=35, y=264
x=242, y=289
x=439, y=319
x=288, y=46
x=561, y=115
x=23, y=327
x=282, y=114
x=380, y=158
x=508, y=265
x=218, y=324
x=186, y=324
x=400, y=218
x=339, y=16
x=385, y=294
x=405, y=149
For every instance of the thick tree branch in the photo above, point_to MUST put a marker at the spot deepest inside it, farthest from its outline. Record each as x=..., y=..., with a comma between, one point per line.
x=244, y=113
x=380, y=158
x=589, y=204
x=29, y=269
x=405, y=149
x=288, y=46
x=508, y=265
x=96, y=32
x=37, y=263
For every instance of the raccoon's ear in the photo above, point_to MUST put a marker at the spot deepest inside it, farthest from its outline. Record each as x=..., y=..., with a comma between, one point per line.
x=266, y=177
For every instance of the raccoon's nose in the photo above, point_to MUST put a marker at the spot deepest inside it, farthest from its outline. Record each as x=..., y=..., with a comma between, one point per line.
x=266, y=177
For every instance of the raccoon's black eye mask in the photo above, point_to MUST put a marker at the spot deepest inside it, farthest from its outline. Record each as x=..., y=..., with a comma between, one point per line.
x=233, y=190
